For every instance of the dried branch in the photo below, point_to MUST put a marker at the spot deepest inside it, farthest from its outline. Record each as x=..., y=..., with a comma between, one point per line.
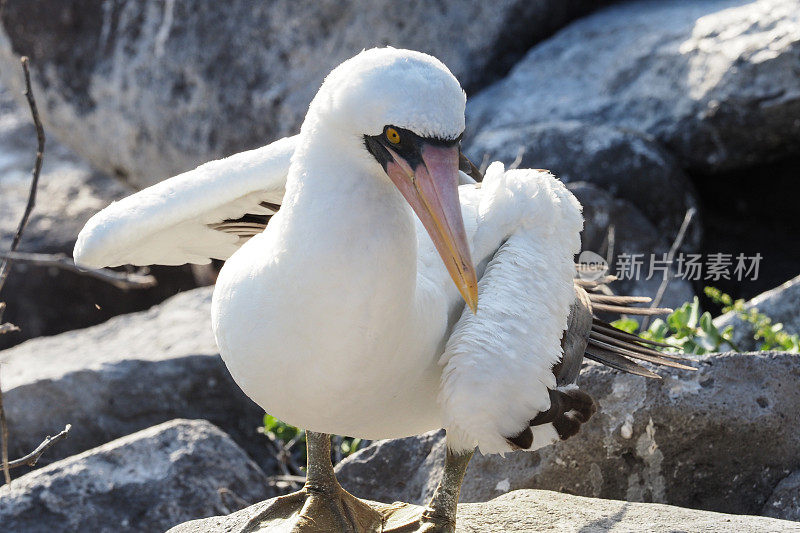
x=37, y=168
x=676, y=244
x=283, y=453
x=289, y=479
x=4, y=443
x=32, y=458
x=120, y=280
x=611, y=239
x=517, y=160
x=5, y=267
x=484, y=164
x=7, y=327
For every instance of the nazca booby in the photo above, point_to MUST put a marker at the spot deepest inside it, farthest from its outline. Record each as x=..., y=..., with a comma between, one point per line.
x=346, y=313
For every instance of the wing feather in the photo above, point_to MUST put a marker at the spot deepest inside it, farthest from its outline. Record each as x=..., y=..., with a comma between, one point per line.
x=193, y=217
x=498, y=364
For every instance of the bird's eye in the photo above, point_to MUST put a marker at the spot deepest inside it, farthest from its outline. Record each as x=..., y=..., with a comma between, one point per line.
x=392, y=136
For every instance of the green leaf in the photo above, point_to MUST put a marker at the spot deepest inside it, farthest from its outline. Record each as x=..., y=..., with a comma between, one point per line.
x=658, y=330
x=627, y=325
x=270, y=422
x=694, y=313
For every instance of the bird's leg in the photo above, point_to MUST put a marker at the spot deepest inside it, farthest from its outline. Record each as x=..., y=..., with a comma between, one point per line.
x=322, y=504
x=319, y=469
x=442, y=507
x=439, y=515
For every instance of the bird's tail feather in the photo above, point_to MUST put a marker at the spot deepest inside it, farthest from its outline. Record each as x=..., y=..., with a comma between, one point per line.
x=616, y=348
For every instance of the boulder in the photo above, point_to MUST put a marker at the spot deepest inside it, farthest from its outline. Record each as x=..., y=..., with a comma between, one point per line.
x=633, y=234
x=692, y=439
x=785, y=500
x=418, y=460
x=145, y=90
x=46, y=301
x=781, y=304
x=127, y=374
x=625, y=163
x=541, y=510
x=147, y=481
x=713, y=81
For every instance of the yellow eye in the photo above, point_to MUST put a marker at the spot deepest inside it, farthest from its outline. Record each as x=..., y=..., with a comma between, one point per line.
x=392, y=135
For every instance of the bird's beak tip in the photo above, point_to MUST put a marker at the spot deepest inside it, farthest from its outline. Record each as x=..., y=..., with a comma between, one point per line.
x=472, y=303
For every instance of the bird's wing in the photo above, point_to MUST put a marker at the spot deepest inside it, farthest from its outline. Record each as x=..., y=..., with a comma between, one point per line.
x=203, y=214
x=498, y=363
x=509, y=371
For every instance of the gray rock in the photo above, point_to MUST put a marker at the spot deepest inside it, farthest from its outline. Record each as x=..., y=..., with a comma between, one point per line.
x=627, y=164
x=781, y=304
x=148, y=481
x=125, y=375
x=540, y=510
x=46, y=301
x=633, y=234
x=148, y=89
x=714, y=81
x=785, y=500
x=419, y=459
x=718, y=439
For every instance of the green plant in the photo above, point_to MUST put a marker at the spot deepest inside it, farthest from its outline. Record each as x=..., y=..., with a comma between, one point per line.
x=771, y=334
x=290, y=437
x=691, y=331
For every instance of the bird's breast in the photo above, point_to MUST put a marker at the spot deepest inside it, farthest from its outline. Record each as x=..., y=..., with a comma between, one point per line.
x=330, y=337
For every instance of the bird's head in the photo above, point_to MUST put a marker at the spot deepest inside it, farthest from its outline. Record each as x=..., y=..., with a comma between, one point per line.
x=406, y=111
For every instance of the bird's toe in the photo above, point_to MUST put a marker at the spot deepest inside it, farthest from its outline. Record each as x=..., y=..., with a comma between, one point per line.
x=316, y=511
x=407, y=518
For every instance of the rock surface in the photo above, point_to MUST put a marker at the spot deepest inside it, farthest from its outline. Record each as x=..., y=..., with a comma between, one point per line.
x=539, y=510
x=714, y=81
x=148, y=481
x=626, y=164
x=785, y=500
x=46, y=301
x=781, y=304
x=692, y=439
x=148, y=89
x=633, y=234
x=125, y=375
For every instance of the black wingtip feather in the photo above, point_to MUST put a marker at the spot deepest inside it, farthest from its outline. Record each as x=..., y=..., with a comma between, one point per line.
x=618, y=362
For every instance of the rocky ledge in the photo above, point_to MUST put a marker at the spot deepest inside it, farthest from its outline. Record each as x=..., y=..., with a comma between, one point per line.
x=542, y=510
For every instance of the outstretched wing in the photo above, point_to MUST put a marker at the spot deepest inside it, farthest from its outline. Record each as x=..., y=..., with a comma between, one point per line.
x=203, y=214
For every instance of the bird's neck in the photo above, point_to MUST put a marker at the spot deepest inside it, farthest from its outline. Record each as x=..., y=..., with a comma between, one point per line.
x=351, y=219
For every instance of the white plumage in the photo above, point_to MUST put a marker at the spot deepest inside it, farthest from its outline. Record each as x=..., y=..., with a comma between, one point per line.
x=497, y=366
x=341, y=316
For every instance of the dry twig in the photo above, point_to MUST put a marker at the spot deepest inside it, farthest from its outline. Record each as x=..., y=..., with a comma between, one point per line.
x=32, y=458
x=37, y=168
x=7, y=327
x=5, y=267
x=517, y=160
x=676, y=244
x=120, y=280
x=4, y=436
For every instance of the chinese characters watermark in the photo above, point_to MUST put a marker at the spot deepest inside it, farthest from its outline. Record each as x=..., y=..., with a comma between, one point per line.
x=691, y=267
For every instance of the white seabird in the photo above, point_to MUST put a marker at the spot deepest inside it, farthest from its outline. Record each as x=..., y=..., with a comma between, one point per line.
x=346, y=314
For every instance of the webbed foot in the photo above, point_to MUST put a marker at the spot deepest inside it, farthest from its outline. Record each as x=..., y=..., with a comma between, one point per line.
x=407, y=518
x=317, y=510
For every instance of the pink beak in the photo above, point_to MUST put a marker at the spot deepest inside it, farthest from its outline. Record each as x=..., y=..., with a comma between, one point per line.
x=432, y=191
